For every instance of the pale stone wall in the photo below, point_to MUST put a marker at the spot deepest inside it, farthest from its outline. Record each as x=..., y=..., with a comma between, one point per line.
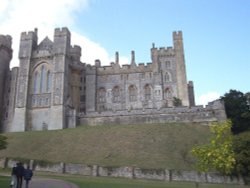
x=84, y=94
x=5, y=58
x=213, y=112
x=40, y=119
x=127, y=172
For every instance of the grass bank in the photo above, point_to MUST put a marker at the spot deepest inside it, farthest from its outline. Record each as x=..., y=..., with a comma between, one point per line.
x=144, y=146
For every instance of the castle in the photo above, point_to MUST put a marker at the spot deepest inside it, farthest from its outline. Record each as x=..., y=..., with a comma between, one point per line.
x=52, y=89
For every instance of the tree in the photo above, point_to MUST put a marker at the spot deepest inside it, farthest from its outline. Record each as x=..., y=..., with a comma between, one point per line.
x=241, y=147
x=237, y=106
x=177, y=102
x=3, y=142
x=218, y=154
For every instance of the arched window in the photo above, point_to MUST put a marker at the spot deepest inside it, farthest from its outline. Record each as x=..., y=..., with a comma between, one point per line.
x=168, y=93
x=36, y=82
x=48, y=84
x=116, y=94
x=42, y=79
x=147, y=92
x=167, y=77
x=132, y=93
x=102, y=95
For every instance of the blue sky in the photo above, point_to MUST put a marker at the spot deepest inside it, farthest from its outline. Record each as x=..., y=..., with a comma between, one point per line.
x=215, y=32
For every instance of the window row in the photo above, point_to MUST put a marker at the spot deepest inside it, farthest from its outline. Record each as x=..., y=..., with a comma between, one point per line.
x=132, y=93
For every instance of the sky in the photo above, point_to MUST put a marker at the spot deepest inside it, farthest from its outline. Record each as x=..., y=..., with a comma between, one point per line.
x=215, y=34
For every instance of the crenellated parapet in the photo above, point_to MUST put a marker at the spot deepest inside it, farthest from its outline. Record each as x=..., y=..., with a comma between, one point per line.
x=62, y=31
x=177, y=35
x=76, y=52
x=62, y=38
x=169, y=51
x=31, y=35
x=124, y=69
x=5, y=43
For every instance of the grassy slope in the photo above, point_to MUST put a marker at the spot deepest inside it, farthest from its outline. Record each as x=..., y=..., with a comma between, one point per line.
x=146, y=146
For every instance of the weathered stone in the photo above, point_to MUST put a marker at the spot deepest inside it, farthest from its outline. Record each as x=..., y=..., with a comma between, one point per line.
x=53, y=89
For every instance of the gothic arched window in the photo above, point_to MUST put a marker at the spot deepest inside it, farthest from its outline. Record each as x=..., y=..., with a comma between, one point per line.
x=116, y=94
x=48, y=84
x=36, y=82
x=147, y=92
x=102, y=95
x=132, y=93
x=42, y=79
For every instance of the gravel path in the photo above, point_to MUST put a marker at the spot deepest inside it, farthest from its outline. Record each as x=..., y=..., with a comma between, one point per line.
x=50, y=183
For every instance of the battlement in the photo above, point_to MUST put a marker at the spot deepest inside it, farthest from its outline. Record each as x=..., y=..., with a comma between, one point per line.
x=90, y=68
x=177, y=35
x=169, y=51
x=30, y=35
x=76, y=50
x=125, y=69
x=62, y=31
x=6, y=41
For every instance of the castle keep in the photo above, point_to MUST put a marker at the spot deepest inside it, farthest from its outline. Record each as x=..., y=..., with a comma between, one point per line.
x=53, y=89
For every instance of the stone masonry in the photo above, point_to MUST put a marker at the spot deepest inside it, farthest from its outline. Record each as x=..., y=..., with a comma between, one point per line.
x=52, y=89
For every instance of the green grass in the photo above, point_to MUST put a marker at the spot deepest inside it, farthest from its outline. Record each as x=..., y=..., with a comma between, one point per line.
x=93, y=182
x=4, y=181
x=100, y=182
x=145, y=146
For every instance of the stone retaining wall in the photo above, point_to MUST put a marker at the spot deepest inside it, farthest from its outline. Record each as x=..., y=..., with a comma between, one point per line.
x=211, y=113
x=126, y=172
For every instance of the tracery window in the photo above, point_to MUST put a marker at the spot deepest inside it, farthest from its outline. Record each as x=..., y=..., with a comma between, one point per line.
x=36, y=82
x=116, y=94
x=48, y=78
x=132, y=93
x=42, y=79
x=147, y=92
x=102, y=95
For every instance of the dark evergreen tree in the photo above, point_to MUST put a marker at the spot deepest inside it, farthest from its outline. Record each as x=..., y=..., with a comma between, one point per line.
x=238, y=110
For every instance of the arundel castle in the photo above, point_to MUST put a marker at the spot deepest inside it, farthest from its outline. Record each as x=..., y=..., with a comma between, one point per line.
x=52, y=89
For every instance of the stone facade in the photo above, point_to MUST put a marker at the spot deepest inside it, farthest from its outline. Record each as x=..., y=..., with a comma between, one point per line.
x=53, y=89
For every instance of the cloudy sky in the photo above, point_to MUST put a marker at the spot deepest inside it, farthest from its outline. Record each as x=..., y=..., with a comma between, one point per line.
x=216, y=34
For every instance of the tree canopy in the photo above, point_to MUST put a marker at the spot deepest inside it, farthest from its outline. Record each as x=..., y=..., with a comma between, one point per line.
x=237, y=106
x=218, y=154
x=241, y=147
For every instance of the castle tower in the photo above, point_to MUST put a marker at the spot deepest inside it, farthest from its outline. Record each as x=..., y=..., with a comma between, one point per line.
x=59, y=93
x=182, y=87
x=28, y=43
x=5, y=58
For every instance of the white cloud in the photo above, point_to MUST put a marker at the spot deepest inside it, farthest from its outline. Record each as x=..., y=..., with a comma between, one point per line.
x=208, y=97
x=17, y=16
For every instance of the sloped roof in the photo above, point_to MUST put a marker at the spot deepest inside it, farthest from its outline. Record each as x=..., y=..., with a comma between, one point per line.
x=46, y=44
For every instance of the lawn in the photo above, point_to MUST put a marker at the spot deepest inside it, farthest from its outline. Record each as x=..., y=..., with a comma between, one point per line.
x=145, y=146
x=99, y=182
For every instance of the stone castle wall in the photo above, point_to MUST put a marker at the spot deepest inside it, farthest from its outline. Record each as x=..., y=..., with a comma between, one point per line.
x=53, y=89
x=211, y=113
